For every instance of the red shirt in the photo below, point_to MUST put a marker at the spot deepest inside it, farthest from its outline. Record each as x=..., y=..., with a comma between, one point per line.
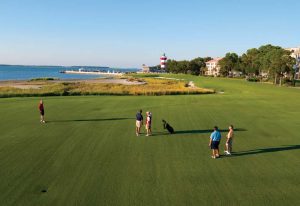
x=148, y=120
x=41, y=107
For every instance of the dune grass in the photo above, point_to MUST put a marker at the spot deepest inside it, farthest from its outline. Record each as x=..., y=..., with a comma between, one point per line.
x=88, y=154
x=153, y=87
x=43, y=79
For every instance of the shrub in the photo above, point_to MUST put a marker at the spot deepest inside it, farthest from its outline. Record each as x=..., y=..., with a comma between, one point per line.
x=252, y=79
x=43, y=79
x=287, y=81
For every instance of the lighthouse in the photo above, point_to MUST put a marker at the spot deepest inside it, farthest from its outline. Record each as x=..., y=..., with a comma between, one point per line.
x=163, y=62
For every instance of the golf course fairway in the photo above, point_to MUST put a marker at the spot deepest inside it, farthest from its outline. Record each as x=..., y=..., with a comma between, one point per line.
x=88, y=154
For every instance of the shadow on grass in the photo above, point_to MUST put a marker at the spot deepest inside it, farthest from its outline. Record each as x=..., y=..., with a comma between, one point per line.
x=266, y=150
x=205, y=131
x=90, y=120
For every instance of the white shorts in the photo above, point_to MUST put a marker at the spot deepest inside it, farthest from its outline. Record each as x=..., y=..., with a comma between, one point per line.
x=138, y=123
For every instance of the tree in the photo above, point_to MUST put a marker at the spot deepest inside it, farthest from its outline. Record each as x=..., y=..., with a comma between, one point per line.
x=273, y=60
x=281, y=63
x=250, y=63
x=276, y=61
x=229, y=63
x=195, y=66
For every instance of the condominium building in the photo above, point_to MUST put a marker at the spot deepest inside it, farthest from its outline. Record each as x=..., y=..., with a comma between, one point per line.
x=213, y=67
x=295, y=52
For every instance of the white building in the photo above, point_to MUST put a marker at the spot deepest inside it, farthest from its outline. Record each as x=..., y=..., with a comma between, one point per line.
x=213, y=67
x=296, y=54
x=148, y=69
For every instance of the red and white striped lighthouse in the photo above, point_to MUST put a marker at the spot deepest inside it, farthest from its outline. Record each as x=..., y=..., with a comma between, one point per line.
x=163, y=61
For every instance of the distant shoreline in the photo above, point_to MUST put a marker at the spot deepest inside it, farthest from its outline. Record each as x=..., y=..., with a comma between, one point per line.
x=23, y=72
x=75, y=66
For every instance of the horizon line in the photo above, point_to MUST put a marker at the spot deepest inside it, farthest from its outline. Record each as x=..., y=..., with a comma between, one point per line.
x=45, y=65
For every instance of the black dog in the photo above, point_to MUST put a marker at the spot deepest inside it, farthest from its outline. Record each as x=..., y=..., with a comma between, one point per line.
x=168, y=127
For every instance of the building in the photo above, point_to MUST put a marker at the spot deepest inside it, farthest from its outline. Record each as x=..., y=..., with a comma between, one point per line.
x=213, y=68
x=296, y=54
x=163, y=62
x=148, y=69
x=156, y=69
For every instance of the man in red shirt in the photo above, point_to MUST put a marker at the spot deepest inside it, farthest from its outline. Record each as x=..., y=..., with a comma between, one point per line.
x=42, y=111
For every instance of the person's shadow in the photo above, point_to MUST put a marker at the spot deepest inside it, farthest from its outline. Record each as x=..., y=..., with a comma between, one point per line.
x=265, y=150
x=90, y=120
x=205, y=131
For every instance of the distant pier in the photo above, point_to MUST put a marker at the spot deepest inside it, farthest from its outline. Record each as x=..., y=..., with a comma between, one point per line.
x=95, y=72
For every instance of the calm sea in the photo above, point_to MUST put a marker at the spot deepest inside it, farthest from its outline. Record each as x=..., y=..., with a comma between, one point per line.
x=31, y=72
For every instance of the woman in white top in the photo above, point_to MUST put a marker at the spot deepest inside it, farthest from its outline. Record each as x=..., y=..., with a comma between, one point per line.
x=148, y=123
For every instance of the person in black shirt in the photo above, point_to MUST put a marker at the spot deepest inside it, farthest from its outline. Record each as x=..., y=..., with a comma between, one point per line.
x=139, y=122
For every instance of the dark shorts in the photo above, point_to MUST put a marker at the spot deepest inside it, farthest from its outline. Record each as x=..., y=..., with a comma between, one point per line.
x=42, y=112
x=230, y=142
x=215, y=145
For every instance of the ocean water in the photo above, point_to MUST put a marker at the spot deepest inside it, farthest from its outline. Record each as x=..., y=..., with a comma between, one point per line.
x=9, y=72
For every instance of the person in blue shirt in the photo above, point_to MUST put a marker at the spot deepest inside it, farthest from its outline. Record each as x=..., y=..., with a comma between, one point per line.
x=138, y=122
x=214, y=142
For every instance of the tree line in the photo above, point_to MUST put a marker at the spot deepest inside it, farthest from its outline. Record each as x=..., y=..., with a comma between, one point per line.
x=195, y=66
x=273, y=61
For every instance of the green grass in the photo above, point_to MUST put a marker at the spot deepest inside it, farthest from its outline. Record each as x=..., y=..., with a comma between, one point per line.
x=88, y=153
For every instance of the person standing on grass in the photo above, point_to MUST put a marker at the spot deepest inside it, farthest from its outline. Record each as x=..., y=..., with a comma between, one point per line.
x=148, y=123
x=214, y=142
x=42, y=111
x=228, y=145
x=138, y=122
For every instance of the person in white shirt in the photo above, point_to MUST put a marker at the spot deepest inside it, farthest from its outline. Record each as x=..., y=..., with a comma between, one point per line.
x=148, y=123
x=229, y=140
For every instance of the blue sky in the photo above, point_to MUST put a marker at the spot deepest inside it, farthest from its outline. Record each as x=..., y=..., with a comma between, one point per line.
x=129, y=33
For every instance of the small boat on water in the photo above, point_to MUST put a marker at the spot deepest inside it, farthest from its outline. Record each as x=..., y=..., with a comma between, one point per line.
x=93, y=72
